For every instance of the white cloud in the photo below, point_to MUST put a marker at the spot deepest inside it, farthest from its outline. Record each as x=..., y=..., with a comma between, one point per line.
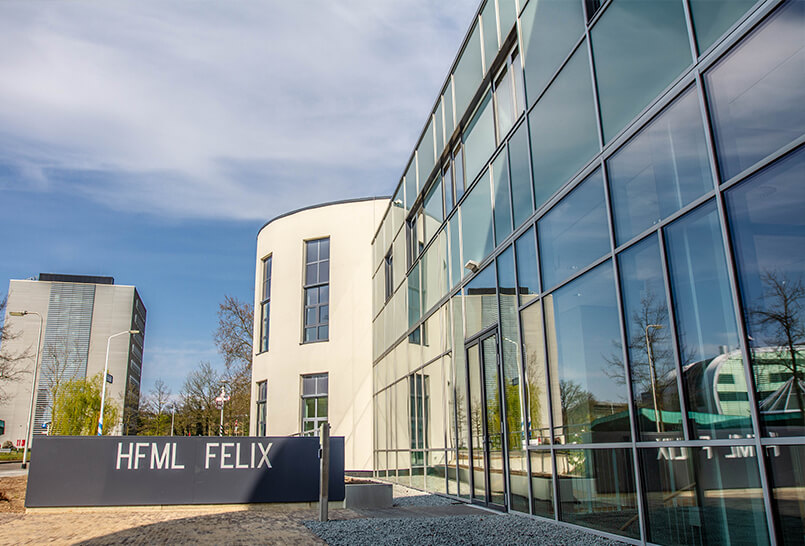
x=228, y=110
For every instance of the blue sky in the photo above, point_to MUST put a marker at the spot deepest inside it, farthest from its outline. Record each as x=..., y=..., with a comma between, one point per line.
x=149, y=141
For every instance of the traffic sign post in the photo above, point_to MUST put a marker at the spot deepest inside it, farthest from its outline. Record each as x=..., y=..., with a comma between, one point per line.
x=219, y=401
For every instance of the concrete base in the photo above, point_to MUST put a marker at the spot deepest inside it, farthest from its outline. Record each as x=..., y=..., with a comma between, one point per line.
x=368, y=495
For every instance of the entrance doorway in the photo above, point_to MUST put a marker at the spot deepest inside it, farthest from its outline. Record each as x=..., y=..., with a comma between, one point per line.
x=488, y=456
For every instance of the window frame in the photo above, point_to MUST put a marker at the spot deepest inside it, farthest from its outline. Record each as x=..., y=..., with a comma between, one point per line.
x=317, y=396
x=265, y=303
x=306, y=286
x=262, y=403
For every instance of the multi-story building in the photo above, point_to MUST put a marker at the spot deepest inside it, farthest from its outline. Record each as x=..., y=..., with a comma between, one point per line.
x=313, y=325
x=590, y=284
x=78, y=315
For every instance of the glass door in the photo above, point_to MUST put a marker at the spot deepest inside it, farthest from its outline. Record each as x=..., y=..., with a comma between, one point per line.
x=486, y=424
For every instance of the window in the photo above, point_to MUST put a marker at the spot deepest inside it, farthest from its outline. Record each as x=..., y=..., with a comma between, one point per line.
x=265, y=304
x=389, y=274
x=317, y=290
x=314, y=403
x=262, y=393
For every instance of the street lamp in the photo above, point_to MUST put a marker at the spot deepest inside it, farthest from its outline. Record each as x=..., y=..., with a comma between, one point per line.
x=29, y=431
x=653, y=375
x=106, y=373
x=173, y=415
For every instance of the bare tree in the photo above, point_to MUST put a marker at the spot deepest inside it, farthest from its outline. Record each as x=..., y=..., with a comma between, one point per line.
x=233, y=338
x=60, y=365
x=782, y=324
x=11, y=364
x=198, y=395
x=159, y=396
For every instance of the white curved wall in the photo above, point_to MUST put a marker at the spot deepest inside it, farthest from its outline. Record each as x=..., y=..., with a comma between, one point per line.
x=347, y=355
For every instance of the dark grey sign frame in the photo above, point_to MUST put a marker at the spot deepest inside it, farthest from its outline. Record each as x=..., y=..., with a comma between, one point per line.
x=164, y=470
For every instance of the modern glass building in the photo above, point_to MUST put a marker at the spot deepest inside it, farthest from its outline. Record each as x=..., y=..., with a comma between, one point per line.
x=589, y=287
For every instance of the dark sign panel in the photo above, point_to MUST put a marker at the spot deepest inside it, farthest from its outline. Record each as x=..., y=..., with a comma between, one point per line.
x=143, y=470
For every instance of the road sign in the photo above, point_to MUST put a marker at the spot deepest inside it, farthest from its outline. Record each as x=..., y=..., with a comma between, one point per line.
x=109, y=378
x=222, y=398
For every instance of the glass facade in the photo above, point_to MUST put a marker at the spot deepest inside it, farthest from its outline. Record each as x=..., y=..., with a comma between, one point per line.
x=601, y=319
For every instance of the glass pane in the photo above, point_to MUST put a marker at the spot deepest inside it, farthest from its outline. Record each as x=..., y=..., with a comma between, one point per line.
x=321, y=407
x=476, y=423
x=542, y=484
x=449, y=202
x=311, y=273
x=425, y=155
x=476, y=223
x=581, y=321
x=324, y=271
x=659, y=171
x=504, y=102
x=597, y=490
x=718, y=405
x=449, y=122
x=536, y=385
x=439, y=128
x=507, y=14
x=527, y=273
x=456, y=267
x=462, y=399
x=708, y=495
x=324, y=294
x=574, y=233
x=494, y=425
x=639, y=49
x=768, y=231
x=323, y=332
x=712, y=18
x=310, y=407
x=519, y=157
x=490, y=23
x=414, y=303
x=311, y=251
x=650, y=342
x=503, y=211
x=311, y=296
x=468, y=72
x=310, y=315
x=480, y=301
x=787, y=465
x=479, y=138
x=411, y=187
x=563, y=128
x=433, y=209
x=756, y=91
x=459, y=180
x=308, y=385
x=324, y=313
x=324, y=249
x=549, y=29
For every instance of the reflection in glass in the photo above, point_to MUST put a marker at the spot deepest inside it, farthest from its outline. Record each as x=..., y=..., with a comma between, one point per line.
x=542, y=484
x=411, y=188
x=425, y=155
x=462, y=399
x=527, y=272
x=476, y=424
x=503, y=211
x=494, y=421
x=510, y=352
x=768, y=231
x=476, y=223
x=718, y=405
x=480, y=301
x=597, y=490
x=756, y=91
x=574, y=233
x=711, y=18
x=468, y=72
x=536, y=386
x=563, y=128
x=650, y=342
x=414, y=302
x=490, y=32
x=550, y=28
x=504, y=103
x=708, y=495
x=581, y=321
x=479, y=138
x=787, y=465
x=639, y=49
x=519, y=158
x=456, y=267
x=660, y=170
x=433, y=209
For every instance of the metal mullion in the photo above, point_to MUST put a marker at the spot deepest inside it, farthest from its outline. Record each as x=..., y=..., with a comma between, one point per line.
x=599, y=125
x=731, y=442
x=691, y=30
x=669, y=303
x=551, y=425
x=641, y=508
x=538, y=97
x=783, y=441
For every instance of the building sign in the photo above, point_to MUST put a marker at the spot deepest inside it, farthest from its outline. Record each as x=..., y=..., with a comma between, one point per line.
x=141, y=470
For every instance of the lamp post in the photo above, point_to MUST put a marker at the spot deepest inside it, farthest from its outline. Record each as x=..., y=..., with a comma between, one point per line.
x=173, y=415
x=653, y=375
x=29, y=431
x=106, y=374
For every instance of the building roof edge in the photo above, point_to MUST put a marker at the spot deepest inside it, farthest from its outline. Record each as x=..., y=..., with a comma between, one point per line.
x=320, y=205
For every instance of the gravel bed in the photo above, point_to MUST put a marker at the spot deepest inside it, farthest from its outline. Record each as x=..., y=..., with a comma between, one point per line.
x=450, y=530
x=405, y=496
